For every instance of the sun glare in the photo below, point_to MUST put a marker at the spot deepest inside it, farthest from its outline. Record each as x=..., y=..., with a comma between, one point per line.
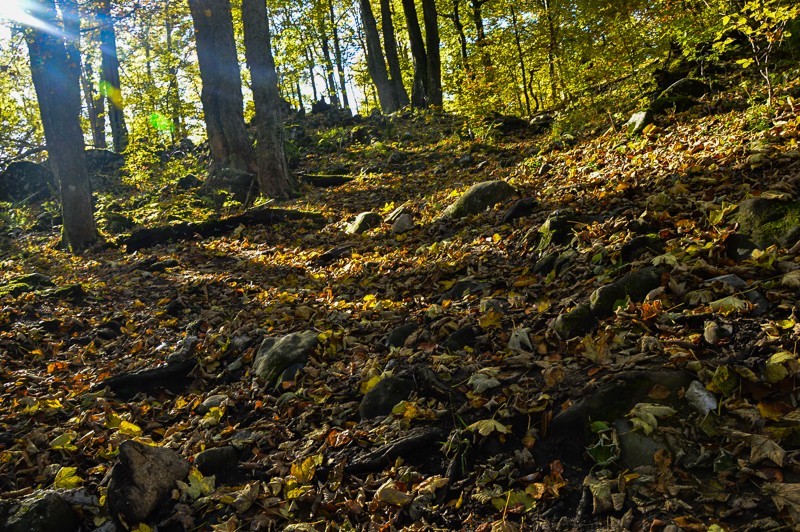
x=22, y=12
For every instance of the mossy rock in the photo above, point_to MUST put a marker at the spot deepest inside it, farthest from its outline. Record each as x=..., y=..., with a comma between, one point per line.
x=577, y=322
x=479, y=197
x=636, y=285
x=770, y=221
x=25, y=283
x=557, y=229
x=44, y=512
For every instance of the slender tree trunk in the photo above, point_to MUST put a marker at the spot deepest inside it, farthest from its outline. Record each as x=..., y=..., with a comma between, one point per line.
x=521, y=61
x=480, y=32
x=434, y=62
x=274, y=179
x=462, y=38
x=222, y=86
x=375, y=63
x=337, y=54
x=110, y=77
x=390, y=44
x=312, y=79
x=56, y=81
x=173, y=89
x=551, y=49
x=299, y=96
x=94, y=107
x=419, y=91
x=326, y=55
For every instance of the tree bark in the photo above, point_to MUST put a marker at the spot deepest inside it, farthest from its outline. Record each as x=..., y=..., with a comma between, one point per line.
x=375, y=63
x=521, y=61
x=173, y=89
x=326, y=56
x=94, y=107
x=110, y=77
x=337, y=54
x=274, y=179
x=222, y=86
x=56, y=81
x=434, y=62
x=419, y=91
x=462, y=38
x=392, y=58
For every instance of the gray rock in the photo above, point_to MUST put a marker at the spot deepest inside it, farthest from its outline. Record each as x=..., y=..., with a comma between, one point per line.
x=478, y=198
x=554, y=262
x=770, y=221
x=26, y=180
x=44, y=512
x=557, y=229
x=639, y=246
x=399, y=335
x=636, y=285
x=219, y=461
x=188, y=181
x=403, y=224
x=277, y=354
x=461, y=289
x=210, y=402
x=100, y=161
x=636, y=447
x=519, y=209
x=577, y=322
x=737, y=284
x=395, y=214
x=638, y=121
x=380, y=400
x=363, y=222
x=239, y=184
x=461, y=338
x=142, y=480
x=686, y=87
x=700, y=398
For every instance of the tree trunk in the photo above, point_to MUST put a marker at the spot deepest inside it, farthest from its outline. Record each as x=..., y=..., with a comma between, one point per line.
x=375, y=63
x=337, y=54
x=173, y=89
x=110, y=77
x=390, y=43
x=434, y=62
x=94, y=107
x=480, y=32
x=551, y=49
x=56, y=81
x=419, y=91
x=521, y=61
x=299, y=96
x=274, y=179
x=326, y=55
x=462, y=38
x=222, y=86
x=311, y=65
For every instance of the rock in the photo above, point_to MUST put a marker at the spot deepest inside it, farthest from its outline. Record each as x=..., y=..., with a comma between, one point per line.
x=403, y=224
x=577, y=322
x=461, y=289
x=636, y=285
x=24, y=283
x=360, y=135
x=541, y=123
x=770, y=221
x=461, y=338
x=638, y=121
x=397, y=157
x=142, y=480
x=554, y=263
x=640, y=246
x=219, y=461
x=739, y=246
x=519, y=209
x=395, y=214
x=363, y=222
x=557, y=229
x=686, y=87
x=275, y=355
x=26, y=180
x=399, y=335
x=188, y=181
x=333, y=254
x=44, y=512
x=211, y=401
x=380, y=400
x=241, y=185
x=641, y=226
x=737, y=284
x=636, y=447
x=700, y=398
x=478, y=198
x=103, y=161
x=320, y=106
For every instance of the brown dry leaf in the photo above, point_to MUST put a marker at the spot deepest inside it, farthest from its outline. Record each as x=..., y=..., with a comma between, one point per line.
x=785, y=496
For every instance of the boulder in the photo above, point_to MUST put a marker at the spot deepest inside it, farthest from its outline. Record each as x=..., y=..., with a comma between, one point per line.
x=277, y=354
x=519, y=209
x=44, y=512
x=188, y=181
x=218, y=461
x=363, y=222
x=380, y=400
x=640, y=246
x=770, y=221
x=638, y=121
x=577, y=322
x=557, y=229
x=399, y=335
x=103, y=161
x=26, y=180
x=403, y=224
x=636, y=285
x=142, y=480
x=461, y=338
x=241, y=185
x=478, y=198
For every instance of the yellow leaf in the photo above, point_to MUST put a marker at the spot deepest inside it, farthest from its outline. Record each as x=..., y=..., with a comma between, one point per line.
x=304, y=471
x=485, y=427
x=64, y=442
x=198, y=485
x=129, y=429
x=67, y=478
x=490, y=320
x=141, y=527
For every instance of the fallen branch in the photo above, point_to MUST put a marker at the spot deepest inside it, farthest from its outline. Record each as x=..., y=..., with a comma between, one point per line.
x=145, y=238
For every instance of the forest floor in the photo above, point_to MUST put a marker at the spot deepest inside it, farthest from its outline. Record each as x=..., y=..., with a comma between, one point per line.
x=486, y=402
